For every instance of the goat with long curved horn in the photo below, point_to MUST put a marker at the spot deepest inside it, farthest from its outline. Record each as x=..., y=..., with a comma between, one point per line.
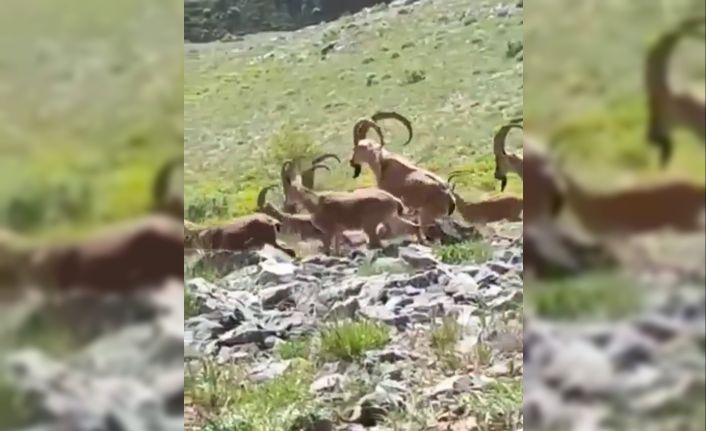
x=667, y=108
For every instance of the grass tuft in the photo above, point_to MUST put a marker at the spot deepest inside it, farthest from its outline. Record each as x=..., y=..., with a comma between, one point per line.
x=350, y=340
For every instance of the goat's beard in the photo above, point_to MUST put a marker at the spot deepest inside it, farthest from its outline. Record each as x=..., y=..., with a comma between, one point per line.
x=356, y=169
x=503, y=183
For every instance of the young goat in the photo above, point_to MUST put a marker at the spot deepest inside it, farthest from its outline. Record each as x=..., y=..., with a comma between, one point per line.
x=487, y=211
x=668, y=109
x=677, y=204
x=420, y=190
x=361, y=209
x=298, y=224
x=244, y=233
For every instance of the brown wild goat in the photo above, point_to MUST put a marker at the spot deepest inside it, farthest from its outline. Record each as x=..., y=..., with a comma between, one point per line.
x=133, y=254
x=667, y=108
x=248, y=232
x=361, y=209
x=136, y=254
x=419, y=189
x=487, y=211
x=676, y=204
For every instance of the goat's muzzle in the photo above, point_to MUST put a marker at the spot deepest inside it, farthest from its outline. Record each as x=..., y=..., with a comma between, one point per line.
x=356, y=169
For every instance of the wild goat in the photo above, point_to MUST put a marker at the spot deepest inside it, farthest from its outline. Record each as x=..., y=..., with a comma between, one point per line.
x=132, y=255
x=307, y=177
x=487, y=211
x=244, y=233
x=165, y=202
x=505, y=162
x=297, y=224
x=541, y=186
x=361, y=209
x=668, y=109
x=420, y=190
x=676, y=204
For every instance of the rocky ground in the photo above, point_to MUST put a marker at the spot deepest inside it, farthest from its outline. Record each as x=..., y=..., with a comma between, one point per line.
x=389, y=339
x=120, y=364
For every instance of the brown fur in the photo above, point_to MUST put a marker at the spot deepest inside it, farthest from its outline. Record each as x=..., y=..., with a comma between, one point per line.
x=137, y=254
x=678, y=205
x=419, y=189
x=361, y=209
x=667, y=108
x=244, y=233
x=491, y=210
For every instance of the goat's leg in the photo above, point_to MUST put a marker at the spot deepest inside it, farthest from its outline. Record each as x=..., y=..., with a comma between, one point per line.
x=326, y=240
x=337, y=243
x=373, y=238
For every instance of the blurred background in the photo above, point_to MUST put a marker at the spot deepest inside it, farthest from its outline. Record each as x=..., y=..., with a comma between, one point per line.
x=614, y=321
x=90, y=108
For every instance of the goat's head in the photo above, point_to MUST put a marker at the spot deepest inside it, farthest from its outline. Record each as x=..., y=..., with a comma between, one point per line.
x=501, y=160
x=365, y=150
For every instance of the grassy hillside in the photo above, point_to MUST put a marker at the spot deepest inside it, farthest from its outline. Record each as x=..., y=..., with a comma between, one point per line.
x=584, y=89
x=455, y=69
x=90, y=106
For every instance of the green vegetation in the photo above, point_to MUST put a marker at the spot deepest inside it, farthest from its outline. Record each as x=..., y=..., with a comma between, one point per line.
x=499, y=405
x=591, y=296
x=299, y=348
x=350, y=340
x=91, y=108
x=584, y=90
x=245, y=101
x=464, y=252
x=232, y=402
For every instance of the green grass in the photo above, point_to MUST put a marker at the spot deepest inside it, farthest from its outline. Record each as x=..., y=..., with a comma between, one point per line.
x=464, y=252
x=591, y=296
x=231, y=402
x=498, y=405
x=241, y=97
x=584, y=90
x=192, y=305
x=91, y=109
x=349, y=340
x=299, y=348
x=15, y=407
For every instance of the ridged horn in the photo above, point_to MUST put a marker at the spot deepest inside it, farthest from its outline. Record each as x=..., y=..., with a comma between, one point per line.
x=380, y=115
x=262, y=196
x=361, y=128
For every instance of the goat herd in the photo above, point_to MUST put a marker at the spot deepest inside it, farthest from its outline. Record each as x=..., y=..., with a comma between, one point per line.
x=407, y=200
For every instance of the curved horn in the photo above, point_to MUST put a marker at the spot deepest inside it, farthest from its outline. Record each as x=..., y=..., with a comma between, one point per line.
x=455, y=174
x=657, y=86
x=307, y=175
x=360, y=131
x=396, y=116
x=501, y=136
x=285, y=173
x=160, y=186
x=262, y=196
x=323, y=157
